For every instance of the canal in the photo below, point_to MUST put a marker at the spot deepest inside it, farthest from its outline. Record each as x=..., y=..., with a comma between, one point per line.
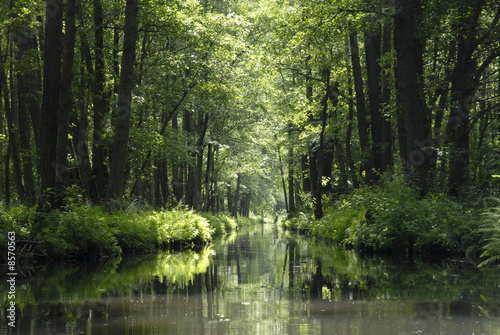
x=260, y=280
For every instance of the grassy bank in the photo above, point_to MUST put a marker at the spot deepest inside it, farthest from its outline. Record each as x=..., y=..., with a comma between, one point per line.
x=390, y=218
x=86, y=232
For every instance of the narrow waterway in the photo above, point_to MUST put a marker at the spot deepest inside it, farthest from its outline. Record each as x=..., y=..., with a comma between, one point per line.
x=260, y=280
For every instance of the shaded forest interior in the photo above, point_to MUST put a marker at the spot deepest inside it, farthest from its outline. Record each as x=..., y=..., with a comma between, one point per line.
x=240, y=106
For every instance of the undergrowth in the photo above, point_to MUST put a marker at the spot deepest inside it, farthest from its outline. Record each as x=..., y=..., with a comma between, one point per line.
x=89, y=232
x=391, y=218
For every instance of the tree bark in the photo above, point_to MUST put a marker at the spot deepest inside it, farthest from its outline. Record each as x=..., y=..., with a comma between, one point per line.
x=51, y=89
x=462, y=91
x=66, y=97
x=416, y=115
x=123, y=115
x=177, y=174
x=236, y=199
x=208, y=178
x=361, y=107
x=348, y=136
x=13, y=130
x=100, y=101
x=291, y=182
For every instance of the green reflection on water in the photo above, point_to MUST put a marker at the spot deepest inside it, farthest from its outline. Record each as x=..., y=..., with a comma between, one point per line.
x=259, y=281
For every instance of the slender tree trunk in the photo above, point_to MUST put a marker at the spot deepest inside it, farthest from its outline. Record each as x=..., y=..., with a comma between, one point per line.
x=120, y=141
x=378, y=95
x=360, y=106
x=462, y=92
x=21, y=93
x=12, y=117
x=177, y=175
x=50, y=100
x=229, y=199
x=306, y=179
x=236, y=199
x=66, y=97
x=100, y=101
x=291, y=163
x=348, y=137
x=336, y=140
x=80, y=134
x=165, y=192
x=282, y=173
x=208, y=178
x=387, y=138
x=409, y=50
x=13, y=129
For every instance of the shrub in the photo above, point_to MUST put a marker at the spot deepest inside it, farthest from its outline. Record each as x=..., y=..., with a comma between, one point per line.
x=491, y=250
x=390, y=217
x=135, y=232
x=221, y=223
x=80, y=232
x=181, y=227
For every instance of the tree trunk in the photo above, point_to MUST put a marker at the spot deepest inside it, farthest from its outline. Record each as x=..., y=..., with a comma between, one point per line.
x=409, y=50
x=21, y=92
x=380, y=127
x=361, y=107
x=208, y=178
x=13, y=129
x=236, y=199
x=177, y=174
x=348, y=136
x=120, y=141
x=50, y=100
x=462, y=91
x=282, y=173
x=66, y=98
x=336, y=140
x=291, y=186
x=100, y=101
x=80, y=134
x=387, y=139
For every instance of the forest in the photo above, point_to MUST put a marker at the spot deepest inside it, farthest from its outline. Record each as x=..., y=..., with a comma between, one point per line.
x=130, y=125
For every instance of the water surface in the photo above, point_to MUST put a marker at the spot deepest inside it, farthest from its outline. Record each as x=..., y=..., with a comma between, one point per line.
x=259, y=281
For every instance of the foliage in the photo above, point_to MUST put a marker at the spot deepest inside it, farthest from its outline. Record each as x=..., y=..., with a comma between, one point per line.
x=80, y=232
x=491, y=228
x=181, y=227
x=391, y=218
x=221, y=223
x=83, y=231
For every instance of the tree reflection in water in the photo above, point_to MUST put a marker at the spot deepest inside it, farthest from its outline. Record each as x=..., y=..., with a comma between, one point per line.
x=260, y=281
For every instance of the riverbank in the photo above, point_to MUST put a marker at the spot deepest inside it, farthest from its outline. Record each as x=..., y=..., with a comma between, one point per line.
x=89, y=232
x=390, y=218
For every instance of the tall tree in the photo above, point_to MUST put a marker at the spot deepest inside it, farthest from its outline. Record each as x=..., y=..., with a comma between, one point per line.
x=409, y=45
x=123, y=114
x=51, y=88
x=66, y=96
x=363, y=129
x=465, y=79
x=100, y=103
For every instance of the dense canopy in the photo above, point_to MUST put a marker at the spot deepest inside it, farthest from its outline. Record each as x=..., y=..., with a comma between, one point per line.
x=246, y=106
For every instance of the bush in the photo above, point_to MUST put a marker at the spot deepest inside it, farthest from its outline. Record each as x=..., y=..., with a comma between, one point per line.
x=390, y=217
x=181, y=227
x=134, y=231
x=81, y=232
x=491, y=250
x=221, y=223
